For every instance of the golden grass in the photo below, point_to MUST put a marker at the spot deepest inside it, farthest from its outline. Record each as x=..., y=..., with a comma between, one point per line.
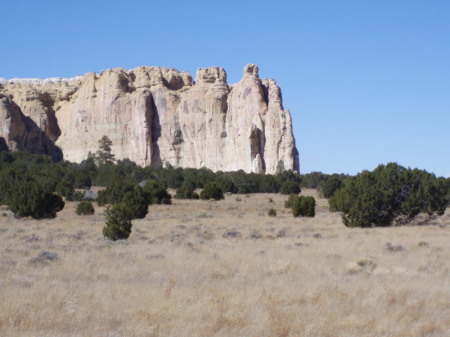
x=202, y=268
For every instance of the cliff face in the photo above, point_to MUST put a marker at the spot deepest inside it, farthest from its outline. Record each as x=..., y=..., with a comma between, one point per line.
x=153, y=116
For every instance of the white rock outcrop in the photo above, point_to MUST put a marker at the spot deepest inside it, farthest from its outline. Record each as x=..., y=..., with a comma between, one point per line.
x=153, y=116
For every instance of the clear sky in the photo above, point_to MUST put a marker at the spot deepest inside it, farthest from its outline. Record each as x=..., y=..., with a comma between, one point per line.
x=367, y=82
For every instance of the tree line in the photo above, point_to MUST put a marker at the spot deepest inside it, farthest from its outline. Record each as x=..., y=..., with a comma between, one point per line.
x=33, y=185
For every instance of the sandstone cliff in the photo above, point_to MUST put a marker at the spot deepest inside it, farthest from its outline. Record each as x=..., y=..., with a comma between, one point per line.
x=153, y=116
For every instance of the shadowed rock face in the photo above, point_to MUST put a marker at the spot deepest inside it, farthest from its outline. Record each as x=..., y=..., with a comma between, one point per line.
x=153, y=116
x=19, y=132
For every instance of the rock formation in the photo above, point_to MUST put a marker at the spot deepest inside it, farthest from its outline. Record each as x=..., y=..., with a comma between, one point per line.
x=153, y=116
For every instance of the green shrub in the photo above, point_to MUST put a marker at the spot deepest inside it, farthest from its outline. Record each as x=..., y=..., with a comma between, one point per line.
x=65, y=187
x=390, y=195
x=9, y=177
x=136, y=203
x=186, y=192
x=82, y=179
x=226, y=184
x=85, y=208
x=285, y=176
x=28, y=198
x=118, y=222
x=268, y=183
x=174, y=176
x=114, y=192
x=272, y=212
x=211, y=191
x=329, y=186
x=290, y=187
x=313, y=179
x=304, y=206
x=288, y=203
x=156, y=193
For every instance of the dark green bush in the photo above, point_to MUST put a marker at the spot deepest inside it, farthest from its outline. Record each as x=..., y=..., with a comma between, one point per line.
x=118, y=222
x=6, y=158
x=115, y=192
x=268, y=184
x=189, y=184
x=242, y=182
x=226, y=184
x=211, y=191
x=290, y=187
x=186, y=192
x=174, y=177
x=156, y=193
x=304, y=206
x=329, y=186
x=285, y=176
x=65, y=187
x=272, y=212
x=136, y=203
x=313, y=179
x=85, y=208
x=82, y=179
x=28, y=198
x=9, y=177
x=390, y=195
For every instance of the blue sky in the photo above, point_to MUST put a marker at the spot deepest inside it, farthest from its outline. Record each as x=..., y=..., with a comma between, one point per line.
x=367, y=82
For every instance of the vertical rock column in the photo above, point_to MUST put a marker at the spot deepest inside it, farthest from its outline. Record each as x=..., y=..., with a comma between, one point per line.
x=245, y=126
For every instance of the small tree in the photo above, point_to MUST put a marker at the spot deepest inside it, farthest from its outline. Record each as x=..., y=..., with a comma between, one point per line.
x=136, y=203
x=304, y=206
x=118, y=222
x=104, y=155
x=85, y=208
x=211, y=191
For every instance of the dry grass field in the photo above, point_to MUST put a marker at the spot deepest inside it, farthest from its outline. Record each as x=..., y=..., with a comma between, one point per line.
x=203, y=268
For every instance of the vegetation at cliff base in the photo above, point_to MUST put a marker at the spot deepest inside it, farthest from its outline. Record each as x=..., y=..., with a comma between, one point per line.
x=390, y=195
x=290, y=187
x=33, y=185
x=186, y=192
x=211, y=191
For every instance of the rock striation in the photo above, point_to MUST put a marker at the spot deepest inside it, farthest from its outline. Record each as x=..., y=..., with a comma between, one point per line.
x=153, y=116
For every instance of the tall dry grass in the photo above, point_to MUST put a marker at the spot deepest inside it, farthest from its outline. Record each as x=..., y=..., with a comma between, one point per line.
x=201, y=268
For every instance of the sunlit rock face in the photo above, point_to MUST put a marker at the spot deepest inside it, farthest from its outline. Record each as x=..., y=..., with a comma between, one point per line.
x=153, y=116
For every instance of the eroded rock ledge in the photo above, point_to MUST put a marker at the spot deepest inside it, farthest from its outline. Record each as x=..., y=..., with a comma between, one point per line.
x=153, y=116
